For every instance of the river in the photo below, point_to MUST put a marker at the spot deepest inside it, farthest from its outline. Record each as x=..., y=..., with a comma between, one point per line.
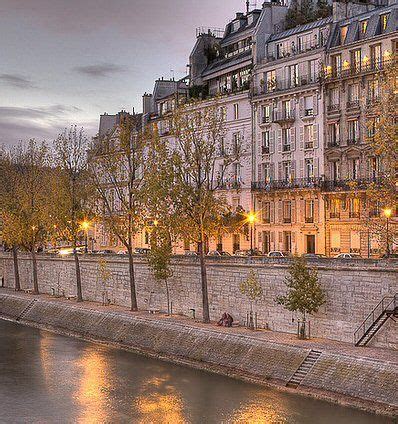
x=48, y=378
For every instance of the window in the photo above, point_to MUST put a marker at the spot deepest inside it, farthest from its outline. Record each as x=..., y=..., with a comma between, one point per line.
x=287, y=241
x=293, y=75
x=353, y=131
x=364, y=26
x=353, y=95
x=335, y=171
x=286, y=139
x=312, y=70
x=309, y=106
x=286, y=170
x=236, y=173
x=266, y=143
x=266, y=212
x=375, y=55
x=356, y=60
x=286, y=108
x=384, y=21
x=266, y=111
x=309, y=168
x=221, y=147
x=334, y=134
x=354, y=207
x=270, y=81
x=304, y=43
x=374, y=165
x=343, y=33
x=235, y=203
x=373, y=91
x=236, y=111
x=287, y=211
x=309, y=211
x=235, y=143
x=372, y=126
x=335, y=208
x=308, y=136
x=267, y=172
x=336, y=65
x=354, y=168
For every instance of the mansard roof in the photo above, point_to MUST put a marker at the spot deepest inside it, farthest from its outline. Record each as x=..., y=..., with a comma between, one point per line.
x=301, y=28
x=228, y=62
x=373, y=26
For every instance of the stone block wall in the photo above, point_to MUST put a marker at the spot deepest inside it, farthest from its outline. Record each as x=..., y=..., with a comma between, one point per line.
x=352, y=288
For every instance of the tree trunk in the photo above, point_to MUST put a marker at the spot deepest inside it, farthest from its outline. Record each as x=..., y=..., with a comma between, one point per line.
x=203, y=275
x=16, y=268
x=35, y=279
x=133, y=295
x=78, y=276
x=168, y=297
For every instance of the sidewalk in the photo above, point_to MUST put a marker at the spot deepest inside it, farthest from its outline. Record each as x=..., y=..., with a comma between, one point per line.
x=331, y=346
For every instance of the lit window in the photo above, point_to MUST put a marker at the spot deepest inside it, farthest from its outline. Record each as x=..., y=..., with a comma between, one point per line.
x=236, y=111
x=364, y=26
x=384, y=21
x=343, y=33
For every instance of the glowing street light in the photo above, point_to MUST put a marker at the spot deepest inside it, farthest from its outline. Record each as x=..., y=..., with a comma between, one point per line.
x=85, y=226
x=251, y=218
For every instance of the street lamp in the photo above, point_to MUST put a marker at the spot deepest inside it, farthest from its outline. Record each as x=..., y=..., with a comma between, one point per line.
x=387, y=213
x=85, y=225
x=251, y=219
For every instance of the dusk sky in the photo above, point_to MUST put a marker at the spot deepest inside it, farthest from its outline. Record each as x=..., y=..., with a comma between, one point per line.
x=68, y=61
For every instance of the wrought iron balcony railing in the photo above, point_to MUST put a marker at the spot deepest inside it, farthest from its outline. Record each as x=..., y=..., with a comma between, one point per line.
x=353, y=104
x=359, y=68
x=285, y=116
x=333, y=108
x=288, y=184
x=349, y=185
x=286, y=84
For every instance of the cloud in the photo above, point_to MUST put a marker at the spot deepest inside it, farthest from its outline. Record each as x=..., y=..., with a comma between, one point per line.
x=99, y=70
x=17, y=81
x=42, y=123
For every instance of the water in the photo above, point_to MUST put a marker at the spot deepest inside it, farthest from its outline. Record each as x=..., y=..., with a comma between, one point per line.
x=47, y=378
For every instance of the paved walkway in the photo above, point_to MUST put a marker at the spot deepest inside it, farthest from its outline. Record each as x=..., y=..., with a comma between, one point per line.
x=331, y=346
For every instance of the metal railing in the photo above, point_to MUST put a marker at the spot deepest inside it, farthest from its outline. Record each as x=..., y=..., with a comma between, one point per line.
x=287, y=184
x=349, y=185
x=386, y=303
x=295, y=50
x=333, y=108
x=284, y=116
x=286, y=84
x=359, y=68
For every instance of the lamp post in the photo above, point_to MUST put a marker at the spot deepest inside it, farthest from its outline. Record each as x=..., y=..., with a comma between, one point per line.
x=251, y=219
x=85, y=227
x=387, y=213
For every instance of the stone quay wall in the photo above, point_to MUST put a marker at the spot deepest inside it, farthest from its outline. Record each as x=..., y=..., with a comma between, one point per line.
x=353, y=289
x=365, y=383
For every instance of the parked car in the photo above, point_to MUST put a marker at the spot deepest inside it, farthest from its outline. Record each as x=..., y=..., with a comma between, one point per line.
x=217, y=253
x=314, y=255
x=103, y=252
x=348, y=256
x=248, y=252
x=279, y=254
x=141, y=251
x=190, y=253
x=390, y=256
x=122, y=252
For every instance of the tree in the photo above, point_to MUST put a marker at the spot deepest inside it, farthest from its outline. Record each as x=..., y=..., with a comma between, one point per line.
x=381, y=193
x=105, y=275
x=71, y=191
x=305, y=294
x=26, y=212
x=159, y=258
x=252, y=289
x=199, y=132
x=117, y=170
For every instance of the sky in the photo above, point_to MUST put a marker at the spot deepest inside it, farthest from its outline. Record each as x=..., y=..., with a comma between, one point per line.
x=65, y=62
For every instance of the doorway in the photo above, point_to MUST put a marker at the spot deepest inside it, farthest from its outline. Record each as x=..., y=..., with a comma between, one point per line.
x=310, y=243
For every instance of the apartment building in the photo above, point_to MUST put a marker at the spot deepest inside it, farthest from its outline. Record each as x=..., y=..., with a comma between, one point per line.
x=359, y=48
x=288, y=140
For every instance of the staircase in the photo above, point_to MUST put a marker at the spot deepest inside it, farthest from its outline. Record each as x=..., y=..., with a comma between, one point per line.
x=387, y=308
x=26, y=310
x=304, y=369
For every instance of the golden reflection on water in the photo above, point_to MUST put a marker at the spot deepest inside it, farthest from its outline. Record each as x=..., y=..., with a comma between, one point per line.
x=94, y=388
x=159, y=402
x=263, y=410
x=46, y=358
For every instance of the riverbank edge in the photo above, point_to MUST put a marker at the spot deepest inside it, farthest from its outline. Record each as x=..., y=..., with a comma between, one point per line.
x=231, y=372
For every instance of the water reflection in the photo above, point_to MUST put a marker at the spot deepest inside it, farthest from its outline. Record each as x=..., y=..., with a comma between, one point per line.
x=94, y=387
x=46, y=378
x=159, y=402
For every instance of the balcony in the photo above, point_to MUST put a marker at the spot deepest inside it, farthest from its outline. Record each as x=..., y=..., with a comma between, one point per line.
x=309, y=219
x=354, y=215
x=353, y=141
x=229, y=185
x=286, y=116
x=294, y=50
x=295, y=183
x=374, y=213
x=308, y=145
x=266, y=120
x=333, y=144
x=334, y=215
x=349, y=185
x=372, y=101
x=288, y=84
x=286, y=148
x=353, y=104
x=287, y=220
x=265, y=150
x=333, y=109
x=358, y=69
